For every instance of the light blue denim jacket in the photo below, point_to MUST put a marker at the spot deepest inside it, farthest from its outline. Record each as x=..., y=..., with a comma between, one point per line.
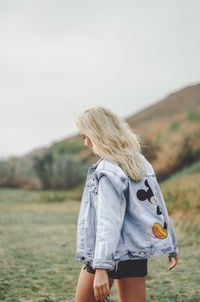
x=121, y=219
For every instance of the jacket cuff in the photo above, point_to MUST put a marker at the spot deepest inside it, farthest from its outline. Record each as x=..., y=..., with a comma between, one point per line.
x=106, y=264
x=174, y=253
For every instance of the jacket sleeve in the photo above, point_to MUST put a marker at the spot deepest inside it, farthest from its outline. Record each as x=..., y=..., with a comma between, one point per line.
x=169, y=220
x=174, y=239
x=111, y=205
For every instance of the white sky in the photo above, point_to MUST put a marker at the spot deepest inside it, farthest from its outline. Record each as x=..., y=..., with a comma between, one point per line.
x=59, y=57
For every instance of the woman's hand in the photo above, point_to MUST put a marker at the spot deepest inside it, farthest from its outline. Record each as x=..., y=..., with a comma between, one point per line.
x=101, y=285
x=173, y=261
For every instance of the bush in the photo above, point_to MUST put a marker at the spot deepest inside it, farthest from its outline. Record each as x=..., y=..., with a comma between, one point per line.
x=150, y=149
x=174, y=126
x=188, y=153
x=63, y=172
x=193, y=114
x=69, y=147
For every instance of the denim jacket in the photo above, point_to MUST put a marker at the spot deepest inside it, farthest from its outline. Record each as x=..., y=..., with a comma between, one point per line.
x=121, y=219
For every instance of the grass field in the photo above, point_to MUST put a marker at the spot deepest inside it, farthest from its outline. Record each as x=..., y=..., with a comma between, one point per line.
x=37, y=253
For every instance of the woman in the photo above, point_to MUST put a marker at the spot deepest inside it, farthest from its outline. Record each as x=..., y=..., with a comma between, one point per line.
x=123, y=219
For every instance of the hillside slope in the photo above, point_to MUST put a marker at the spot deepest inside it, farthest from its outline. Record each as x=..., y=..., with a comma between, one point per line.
x=170, y=133
x=170, y=129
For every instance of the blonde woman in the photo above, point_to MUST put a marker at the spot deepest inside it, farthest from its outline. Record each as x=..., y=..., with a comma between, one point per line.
x=123, y=219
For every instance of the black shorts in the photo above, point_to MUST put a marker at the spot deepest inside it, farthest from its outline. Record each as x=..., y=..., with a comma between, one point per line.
x=127, y=268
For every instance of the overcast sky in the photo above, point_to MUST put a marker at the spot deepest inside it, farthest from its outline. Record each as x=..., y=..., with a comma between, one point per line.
x=59, y=57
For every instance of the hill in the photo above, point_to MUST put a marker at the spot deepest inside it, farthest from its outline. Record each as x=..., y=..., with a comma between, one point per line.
x=170, y=130
x=170, y=133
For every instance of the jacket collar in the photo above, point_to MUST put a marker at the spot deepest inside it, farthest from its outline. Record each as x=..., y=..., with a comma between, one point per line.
x=95, y=165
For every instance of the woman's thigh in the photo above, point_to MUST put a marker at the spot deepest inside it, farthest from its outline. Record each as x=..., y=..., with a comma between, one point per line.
x=84, y=289
x=131, y=289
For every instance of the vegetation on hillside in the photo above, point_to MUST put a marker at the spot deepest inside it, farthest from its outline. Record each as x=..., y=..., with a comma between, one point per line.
x=58, y=167
x=170, y=133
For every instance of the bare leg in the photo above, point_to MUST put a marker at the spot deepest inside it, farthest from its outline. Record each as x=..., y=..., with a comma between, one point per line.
x=84, y=289
x=131, y=289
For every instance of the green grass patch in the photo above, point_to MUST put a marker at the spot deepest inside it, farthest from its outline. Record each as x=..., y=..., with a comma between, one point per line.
x=193, y=114
x=174, y=126
x=28, y=196
x=38, y=254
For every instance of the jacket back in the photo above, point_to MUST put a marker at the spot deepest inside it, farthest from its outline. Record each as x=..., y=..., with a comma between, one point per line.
x=121, y=219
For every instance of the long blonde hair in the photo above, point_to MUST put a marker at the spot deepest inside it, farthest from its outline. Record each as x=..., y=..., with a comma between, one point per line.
x=113, y=139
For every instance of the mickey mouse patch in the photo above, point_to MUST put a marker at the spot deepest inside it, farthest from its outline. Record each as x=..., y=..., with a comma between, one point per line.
x=158, y=230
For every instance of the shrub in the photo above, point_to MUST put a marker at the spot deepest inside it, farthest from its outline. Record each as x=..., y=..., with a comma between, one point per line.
x=193, y=114
x=174, y=126
x=63, y=172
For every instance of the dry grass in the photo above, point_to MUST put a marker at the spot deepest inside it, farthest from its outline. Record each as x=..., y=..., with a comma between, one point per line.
x=38, y=252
